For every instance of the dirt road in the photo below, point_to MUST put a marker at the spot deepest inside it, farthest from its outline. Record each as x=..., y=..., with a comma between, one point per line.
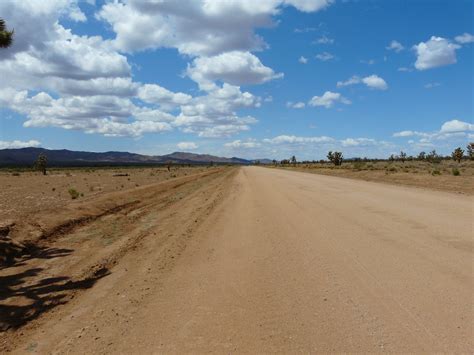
x=283, y=262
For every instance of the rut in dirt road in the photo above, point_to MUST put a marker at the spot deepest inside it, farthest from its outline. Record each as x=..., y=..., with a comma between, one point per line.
x=290, y=262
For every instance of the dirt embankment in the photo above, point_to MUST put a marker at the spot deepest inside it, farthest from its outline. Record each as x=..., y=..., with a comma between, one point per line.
x=61, y=252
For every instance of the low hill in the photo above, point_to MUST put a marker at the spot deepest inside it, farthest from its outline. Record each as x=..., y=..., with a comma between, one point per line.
x=27, y=156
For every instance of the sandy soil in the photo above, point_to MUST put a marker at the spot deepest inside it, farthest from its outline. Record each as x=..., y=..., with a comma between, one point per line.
x=411, y=173
x=25, y=192
x=253, y=260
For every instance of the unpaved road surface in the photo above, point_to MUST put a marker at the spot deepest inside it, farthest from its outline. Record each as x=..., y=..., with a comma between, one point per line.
x=266, y=260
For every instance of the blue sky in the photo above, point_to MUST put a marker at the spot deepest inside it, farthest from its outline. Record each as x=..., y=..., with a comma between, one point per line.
x=239, y=78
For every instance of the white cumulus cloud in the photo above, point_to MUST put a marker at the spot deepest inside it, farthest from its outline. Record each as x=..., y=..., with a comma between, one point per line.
x=395, y=46
x=435, y=52
x=456, y=126
x=303, y=60
x=464, y=38
x=187, y=145
x=297, y=105
x=200, y=28
x=372, y=81
x=324, y=57
x=328, y=99
x=236, y=68
x=19, y=144
x=237, y=144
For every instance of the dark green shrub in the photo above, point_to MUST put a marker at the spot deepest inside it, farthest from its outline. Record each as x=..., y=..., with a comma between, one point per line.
x=73, y=193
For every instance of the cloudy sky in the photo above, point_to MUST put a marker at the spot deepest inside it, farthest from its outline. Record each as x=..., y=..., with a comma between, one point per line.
x=247, y=78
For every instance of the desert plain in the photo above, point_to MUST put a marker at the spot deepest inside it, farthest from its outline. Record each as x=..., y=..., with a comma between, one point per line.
x=237, y=259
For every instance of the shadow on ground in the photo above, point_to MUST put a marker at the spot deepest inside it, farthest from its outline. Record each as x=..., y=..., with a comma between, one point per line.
x=25, y=295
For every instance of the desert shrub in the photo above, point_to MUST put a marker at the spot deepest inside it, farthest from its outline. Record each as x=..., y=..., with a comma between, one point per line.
x=392, y=169
x=358, y=165
x=16, y=174
x=73, y=193
x=436, y=172
x=433, y=157
x=456, y=172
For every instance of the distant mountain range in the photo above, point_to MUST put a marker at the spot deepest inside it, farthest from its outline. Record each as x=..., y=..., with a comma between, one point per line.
x=63, y=157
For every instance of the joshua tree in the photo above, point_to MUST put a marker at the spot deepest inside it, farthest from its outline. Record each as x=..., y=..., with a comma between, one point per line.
x=6, y=37
x=470, y=150
x=403, y=156
x=335, y=157
x=41, y=163
x=422, y=156
x=457, y=154
x=433, y=157
x=293, y=160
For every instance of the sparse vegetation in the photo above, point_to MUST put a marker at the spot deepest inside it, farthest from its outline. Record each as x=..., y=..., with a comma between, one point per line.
x=430, y=170
x=433, y=157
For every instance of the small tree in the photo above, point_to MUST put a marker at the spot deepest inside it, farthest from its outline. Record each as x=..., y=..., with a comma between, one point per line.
x=433, y=157
x=457, y=154
x=293, y=160
x=402, y=156
x=422, y=156
x=392, y=157
x=335, y=157
x=470, y=150
x=41, y=163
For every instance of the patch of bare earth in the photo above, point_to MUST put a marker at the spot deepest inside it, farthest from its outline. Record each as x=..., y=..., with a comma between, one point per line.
x=65, y=250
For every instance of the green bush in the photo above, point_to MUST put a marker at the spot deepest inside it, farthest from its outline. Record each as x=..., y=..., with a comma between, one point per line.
x=73, y=193
x=436, y=172
x=456, y=172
